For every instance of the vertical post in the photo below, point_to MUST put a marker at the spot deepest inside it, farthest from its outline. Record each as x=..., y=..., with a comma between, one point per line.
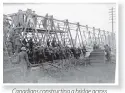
x=85, y=37
x=94, y=37
x=108, y=38
x=104, y=37
x=112, y=28
x=39, y=24
x=90, y=38
x=112, y=21
x=53, y=26
x=79, y=39
x=87, y=31
x=99, y=36
x=80, y=33
x=46, y=27
x=63, y=34
x=60, y=33
x=44, y=22
x=76, y=35
x=69, y=32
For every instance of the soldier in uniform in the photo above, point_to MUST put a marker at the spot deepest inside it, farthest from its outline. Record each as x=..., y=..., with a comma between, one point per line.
x=23, y=60
x=41, y=54
x=24, y=42
x=108, y=52
x=34, y=18
x=94, y=47
x=31, y=44
x=15, y=20
x=6, y=25
x=17, y=43
x=45, y=21
x=53, y=42
x=20, y=17
x=12, y=38
x=9, y=48
x=28, y=17
x=36, y=55
x=48, y=43
x=84, y=51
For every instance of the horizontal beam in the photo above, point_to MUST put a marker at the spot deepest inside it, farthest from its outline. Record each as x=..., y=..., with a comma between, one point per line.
x=63, y=21
x=40, y=30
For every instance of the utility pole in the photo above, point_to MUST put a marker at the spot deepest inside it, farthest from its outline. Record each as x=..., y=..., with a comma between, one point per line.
x=112, y=18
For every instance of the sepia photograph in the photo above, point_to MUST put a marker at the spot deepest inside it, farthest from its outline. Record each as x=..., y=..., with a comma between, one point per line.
x=59, y=43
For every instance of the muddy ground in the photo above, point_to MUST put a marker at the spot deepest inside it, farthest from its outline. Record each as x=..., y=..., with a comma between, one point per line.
x=94, y=73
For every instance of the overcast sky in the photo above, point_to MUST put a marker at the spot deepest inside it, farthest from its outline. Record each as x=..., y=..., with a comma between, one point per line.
x=93, y=15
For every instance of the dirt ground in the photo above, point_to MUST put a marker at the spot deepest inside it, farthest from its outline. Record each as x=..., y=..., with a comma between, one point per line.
x=94, y=73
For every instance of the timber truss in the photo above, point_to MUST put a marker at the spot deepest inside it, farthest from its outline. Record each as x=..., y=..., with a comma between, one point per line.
x=43, y=28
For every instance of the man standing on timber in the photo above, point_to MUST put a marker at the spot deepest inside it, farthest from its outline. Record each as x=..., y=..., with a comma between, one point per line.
x=20, y=18
x=28, y=18
x=34, y=18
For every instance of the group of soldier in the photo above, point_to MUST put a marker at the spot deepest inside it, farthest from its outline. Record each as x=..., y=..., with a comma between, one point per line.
x=53, y=51
x=107, y=50
x=37, y=54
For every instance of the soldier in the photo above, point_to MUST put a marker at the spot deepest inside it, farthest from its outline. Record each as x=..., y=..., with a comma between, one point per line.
x=6, y=25
x=36, y=55
x=23, y=60
x=41, y=54
x=34, y=18
x=59, y=44
x=53, y=42
x=5, y=21
x=15, y=20
x=94, y=47
x=30, y=44
x=20, y=17
x=30, y=55
x=45, y=22
x=24, y=42
x=9, y=48
x=28, y=17
x=48, y=43
x=108, y=52
x=79, y=52
x=12, y=38
x=17, y=43
x=84, y=51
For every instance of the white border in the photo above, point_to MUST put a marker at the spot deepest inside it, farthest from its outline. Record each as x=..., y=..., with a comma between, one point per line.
x=76, y=84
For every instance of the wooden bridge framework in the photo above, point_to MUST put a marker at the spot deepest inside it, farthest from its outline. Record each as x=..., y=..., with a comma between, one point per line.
x=43, y=28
